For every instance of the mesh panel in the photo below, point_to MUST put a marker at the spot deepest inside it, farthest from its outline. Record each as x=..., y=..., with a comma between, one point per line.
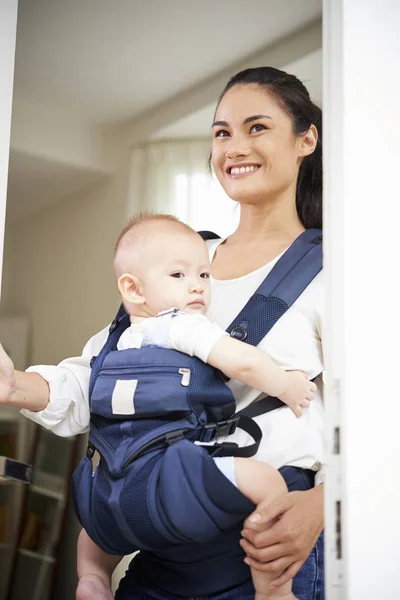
x=109, y=430
x=133, y=502
x=263, y=314
x=104, y=516
x=207, y=390
x=142, y=426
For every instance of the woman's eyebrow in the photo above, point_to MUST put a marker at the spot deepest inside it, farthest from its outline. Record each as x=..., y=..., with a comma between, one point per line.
x=255, y=118
x=247, y=120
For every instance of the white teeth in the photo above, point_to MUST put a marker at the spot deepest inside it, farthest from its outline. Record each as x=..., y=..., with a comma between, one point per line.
x=240, y=170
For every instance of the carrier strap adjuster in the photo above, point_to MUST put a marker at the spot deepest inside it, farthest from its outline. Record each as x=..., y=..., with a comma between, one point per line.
x=174, y=436
x=220, y=428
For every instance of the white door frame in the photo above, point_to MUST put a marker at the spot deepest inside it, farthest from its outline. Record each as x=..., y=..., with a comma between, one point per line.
x=362, y=330
x=8, y=33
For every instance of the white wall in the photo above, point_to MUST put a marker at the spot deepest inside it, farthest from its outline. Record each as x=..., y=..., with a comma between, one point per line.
x=60, y=262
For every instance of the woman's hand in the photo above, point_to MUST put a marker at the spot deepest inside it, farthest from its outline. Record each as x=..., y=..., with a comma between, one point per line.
x=7, y=378
x=280, y=537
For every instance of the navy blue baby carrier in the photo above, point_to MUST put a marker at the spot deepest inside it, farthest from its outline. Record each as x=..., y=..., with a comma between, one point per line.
x=154, y=489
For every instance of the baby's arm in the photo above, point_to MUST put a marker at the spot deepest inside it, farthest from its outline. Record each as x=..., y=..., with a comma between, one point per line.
x=19, y=389
x=249, y=364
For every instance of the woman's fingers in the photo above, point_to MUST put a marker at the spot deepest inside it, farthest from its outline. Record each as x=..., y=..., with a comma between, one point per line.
x=288, y=574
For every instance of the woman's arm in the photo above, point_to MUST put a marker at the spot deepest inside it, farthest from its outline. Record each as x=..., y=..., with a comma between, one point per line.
x=281, y=536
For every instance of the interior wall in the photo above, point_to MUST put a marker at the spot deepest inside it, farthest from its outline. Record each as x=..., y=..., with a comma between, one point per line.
x=58, y=272
x=59, y=269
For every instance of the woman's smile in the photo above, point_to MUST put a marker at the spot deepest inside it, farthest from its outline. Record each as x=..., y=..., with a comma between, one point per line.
x=242, y=170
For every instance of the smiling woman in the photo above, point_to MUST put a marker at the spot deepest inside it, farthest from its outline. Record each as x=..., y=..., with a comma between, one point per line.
x=267, y=127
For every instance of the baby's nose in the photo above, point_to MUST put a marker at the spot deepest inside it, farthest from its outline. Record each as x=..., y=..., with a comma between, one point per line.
x=196, y=286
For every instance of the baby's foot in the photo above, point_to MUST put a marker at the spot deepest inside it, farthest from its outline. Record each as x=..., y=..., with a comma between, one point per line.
x=92, y=587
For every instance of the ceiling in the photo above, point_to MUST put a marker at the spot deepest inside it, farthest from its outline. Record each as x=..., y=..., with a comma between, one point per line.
x=110, y=61
x=99, y=64
x=198, y=124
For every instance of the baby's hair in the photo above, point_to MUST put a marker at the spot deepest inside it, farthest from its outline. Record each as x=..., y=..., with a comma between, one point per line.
x=147, y=218
x=138, y=226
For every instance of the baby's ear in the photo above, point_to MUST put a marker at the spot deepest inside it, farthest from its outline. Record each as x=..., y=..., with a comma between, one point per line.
x=130, y=289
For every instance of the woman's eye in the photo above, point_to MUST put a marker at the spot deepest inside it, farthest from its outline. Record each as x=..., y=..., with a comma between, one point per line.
x=258, y=127
x=221, y=133
x=205, y=275
x=177, y=275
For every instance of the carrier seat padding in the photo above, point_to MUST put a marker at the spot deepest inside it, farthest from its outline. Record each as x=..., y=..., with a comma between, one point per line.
x=207, y=504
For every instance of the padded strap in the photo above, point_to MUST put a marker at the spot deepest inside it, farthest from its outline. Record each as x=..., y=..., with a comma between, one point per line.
x=117, y=327
x=289, y=277
x=217, y=449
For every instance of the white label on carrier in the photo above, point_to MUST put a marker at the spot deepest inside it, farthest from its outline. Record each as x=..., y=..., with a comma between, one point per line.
x=123, y=398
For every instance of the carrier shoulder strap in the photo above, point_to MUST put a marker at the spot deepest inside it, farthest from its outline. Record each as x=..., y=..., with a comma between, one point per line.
x=289, y=277
x=287, y=280
x=117, y=327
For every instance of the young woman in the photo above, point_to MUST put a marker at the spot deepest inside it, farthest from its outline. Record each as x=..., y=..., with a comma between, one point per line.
x=267, y=155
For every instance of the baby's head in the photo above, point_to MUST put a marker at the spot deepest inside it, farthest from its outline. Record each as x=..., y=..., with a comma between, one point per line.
x=160, y=263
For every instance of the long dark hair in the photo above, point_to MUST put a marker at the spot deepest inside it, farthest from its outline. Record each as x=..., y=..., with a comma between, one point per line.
x=295, y=100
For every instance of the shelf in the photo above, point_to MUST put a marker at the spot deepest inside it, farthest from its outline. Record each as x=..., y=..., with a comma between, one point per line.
x=36, y=555
x=6, y=547
x=46, y=492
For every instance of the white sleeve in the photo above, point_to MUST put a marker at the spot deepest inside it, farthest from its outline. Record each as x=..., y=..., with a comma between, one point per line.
x=193, y=334
x=67, y=412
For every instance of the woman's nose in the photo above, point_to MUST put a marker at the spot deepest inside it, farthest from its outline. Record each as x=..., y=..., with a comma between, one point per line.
x=237, y=147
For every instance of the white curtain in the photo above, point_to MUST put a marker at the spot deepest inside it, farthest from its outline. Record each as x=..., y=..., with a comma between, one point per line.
x=173, y=177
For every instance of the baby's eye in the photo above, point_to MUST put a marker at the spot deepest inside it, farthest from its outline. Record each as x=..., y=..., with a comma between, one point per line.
x=221, y=133
x=257, y=127
x=177, y=275
x=205, y=275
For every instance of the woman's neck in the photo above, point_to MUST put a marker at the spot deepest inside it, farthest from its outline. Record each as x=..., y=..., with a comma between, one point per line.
x=274, y=221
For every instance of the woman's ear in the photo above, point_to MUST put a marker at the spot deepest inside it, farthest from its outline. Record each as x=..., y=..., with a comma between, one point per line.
x=130, y=289
x=309, y=141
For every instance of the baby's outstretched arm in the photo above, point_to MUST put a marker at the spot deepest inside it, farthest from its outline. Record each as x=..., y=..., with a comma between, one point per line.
x=19, y=389
x=249, y=364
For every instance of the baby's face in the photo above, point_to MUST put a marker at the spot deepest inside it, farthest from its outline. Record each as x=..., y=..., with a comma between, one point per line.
x=176, y=274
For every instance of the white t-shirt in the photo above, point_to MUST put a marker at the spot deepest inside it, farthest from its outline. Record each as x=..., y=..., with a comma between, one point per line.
x=192, y=334
x=293, y=343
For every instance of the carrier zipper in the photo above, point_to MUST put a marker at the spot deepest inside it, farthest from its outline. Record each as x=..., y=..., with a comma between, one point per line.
x=185, y=376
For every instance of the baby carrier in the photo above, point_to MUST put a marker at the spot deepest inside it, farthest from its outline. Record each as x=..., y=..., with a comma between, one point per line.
x=154, y=488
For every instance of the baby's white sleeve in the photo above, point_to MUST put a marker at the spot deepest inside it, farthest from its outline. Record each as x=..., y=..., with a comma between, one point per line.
x=193, y=334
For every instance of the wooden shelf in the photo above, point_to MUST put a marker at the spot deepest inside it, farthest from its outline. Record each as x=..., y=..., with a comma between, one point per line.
x=46, y=492
x=36, y=555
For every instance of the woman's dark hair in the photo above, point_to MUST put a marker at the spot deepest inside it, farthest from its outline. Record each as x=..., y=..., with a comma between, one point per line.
x=295, y=100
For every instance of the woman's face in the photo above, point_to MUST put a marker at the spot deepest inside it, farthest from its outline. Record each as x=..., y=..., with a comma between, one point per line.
x=255, y=154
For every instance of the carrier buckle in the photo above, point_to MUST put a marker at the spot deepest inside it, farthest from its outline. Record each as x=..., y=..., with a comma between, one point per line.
x=221, y=428
x=223, y=449
x=90, y=451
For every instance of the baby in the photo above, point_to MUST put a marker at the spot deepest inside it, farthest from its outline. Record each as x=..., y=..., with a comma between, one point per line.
x=163, y=271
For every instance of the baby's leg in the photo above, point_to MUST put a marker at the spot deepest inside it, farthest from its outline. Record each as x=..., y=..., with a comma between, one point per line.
x=262, y=484
x=95, y=568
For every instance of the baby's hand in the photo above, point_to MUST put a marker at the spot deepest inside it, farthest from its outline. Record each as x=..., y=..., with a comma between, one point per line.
x=299, y=393
x=7, y=378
